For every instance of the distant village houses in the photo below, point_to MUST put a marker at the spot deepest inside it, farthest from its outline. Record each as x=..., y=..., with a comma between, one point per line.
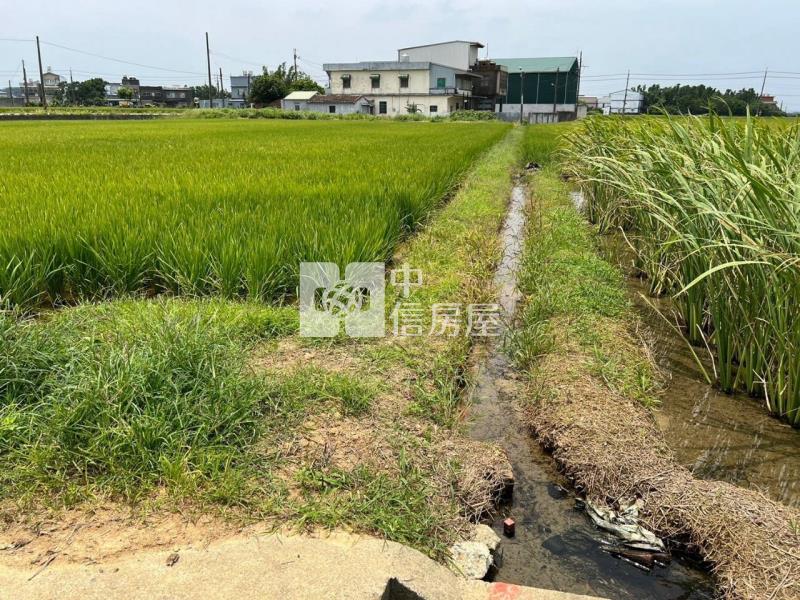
x=438, y=79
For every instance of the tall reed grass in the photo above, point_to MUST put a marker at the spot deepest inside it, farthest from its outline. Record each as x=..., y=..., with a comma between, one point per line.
x=712, y=208
x=199, y=207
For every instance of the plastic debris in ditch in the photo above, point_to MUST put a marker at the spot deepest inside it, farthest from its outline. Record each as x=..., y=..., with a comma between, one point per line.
x=639, y=545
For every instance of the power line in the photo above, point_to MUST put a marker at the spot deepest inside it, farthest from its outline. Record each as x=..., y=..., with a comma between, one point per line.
x=119, y=60
x=246, y=62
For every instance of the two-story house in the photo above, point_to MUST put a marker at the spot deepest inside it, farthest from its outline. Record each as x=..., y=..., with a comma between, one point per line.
x=403, y=86
x=151, y=95
x=177, y=96
x=240, y=88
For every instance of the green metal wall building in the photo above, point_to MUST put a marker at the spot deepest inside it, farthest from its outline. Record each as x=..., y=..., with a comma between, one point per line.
x=545, y=80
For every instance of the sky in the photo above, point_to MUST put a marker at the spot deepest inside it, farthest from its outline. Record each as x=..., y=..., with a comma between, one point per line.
x=724, y=43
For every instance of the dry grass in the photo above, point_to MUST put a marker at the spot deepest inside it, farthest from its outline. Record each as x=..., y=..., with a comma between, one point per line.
x=612, y=449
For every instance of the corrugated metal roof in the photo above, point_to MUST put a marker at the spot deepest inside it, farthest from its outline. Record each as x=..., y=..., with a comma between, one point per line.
x=538, y=65
x=301, y=95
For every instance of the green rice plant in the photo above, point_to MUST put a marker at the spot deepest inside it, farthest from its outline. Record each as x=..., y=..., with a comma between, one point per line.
x=213, y=207
x=712, y=208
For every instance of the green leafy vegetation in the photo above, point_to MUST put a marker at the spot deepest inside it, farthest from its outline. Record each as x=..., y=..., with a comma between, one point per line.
x=403, y=508
x=699, y=99
x=541, y=142
x=91, y=92
x=198, y=207
x=711, y=208
x=574, y=300
x=350, y=396
x=268, y=87
x=124, y=396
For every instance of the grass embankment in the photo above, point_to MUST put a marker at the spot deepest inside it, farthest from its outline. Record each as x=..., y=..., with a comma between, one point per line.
x=203, y=207
x=591, y=381
x=219, y=405
x=711, y=208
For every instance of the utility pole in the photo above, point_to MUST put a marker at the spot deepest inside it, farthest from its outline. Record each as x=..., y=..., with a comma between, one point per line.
x=41, y=74
x=294, y=55
x=625, y=98
x=25, y=83
x=763, y=87
x=555, y=92
x=221, y=85
x=210, y=86
x=70, y=74
x=578, y=88
x=10, y=93
x=521, y=93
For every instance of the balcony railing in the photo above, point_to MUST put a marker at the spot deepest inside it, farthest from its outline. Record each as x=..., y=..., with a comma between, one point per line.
x=450, y=91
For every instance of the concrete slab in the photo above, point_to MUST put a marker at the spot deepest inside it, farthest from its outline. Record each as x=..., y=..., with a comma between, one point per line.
x=263, y=566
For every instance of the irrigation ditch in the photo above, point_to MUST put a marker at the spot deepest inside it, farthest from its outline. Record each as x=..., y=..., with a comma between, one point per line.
x=590, y=383
x=555, y=545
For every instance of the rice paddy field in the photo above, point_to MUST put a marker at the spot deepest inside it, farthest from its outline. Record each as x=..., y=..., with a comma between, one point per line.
x=711, y=207
x=202, y=207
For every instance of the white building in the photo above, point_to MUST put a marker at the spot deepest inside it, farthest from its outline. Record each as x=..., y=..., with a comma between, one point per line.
x=340, y=104
x=458, y=54
x=297, y=100
x=404, y=86
x=240, y=88
x=622, y=102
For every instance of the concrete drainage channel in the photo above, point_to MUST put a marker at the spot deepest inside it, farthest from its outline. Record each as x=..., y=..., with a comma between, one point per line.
x=555, y=546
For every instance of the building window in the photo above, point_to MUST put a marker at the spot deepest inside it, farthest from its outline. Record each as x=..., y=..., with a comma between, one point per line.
x=441, y=83
x=434, y=108
x=332, y=108
x=346, y=81
x=376, y=81
x=297, y=107
x=382, y=107
x=403, y=81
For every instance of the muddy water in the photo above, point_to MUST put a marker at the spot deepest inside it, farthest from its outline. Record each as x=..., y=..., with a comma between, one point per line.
x=729, y=437
x=556, y=546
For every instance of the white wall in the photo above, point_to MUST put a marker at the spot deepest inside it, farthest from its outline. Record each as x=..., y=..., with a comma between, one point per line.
x=342, y=108
x=533, y=108
x=460, y=55
x=396, y=105
x=361, y=83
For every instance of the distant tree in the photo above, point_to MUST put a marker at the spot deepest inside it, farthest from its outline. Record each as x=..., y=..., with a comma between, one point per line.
x=91, y=92
x=268, y=87
x=125, y=93
x=698, y=99
x=201, y=92
x=65, y=95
